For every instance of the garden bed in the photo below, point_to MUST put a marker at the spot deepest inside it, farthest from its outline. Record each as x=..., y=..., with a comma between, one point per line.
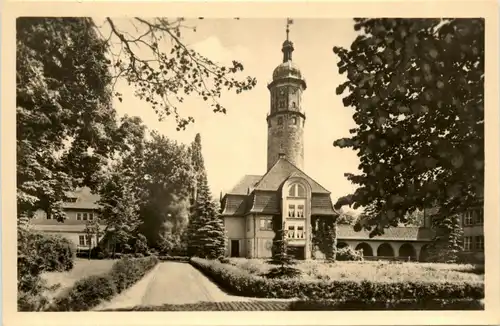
x=372, y=270
x=238, y=281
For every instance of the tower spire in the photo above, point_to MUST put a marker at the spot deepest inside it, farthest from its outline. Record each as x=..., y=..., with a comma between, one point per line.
x=287, y=45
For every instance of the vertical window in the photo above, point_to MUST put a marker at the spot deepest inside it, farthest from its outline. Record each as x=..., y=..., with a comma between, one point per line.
x=266, y=223
x=468, y=218
x=291, y=210
x=479, y=217
x=91, y=216
x=294, y=121
x=467, y=243
x=300, y=232
x=291, y=232
x=84, y=216
x=78, y=216
x=300, y=211
x=81, y=240
x=480, y=242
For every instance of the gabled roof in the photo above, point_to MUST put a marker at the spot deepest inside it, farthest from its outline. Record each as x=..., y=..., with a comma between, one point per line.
x=85, y=199
x=282, y=170
x=248, y=181
x=404, y=233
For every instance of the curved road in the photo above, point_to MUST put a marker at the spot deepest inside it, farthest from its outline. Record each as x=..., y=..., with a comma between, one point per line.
x=170, y=282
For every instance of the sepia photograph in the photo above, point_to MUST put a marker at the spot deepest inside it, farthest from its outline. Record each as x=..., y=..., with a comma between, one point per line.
x=250, y=164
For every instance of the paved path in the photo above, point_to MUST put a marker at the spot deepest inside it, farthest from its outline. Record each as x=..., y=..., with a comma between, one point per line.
x=170, y=282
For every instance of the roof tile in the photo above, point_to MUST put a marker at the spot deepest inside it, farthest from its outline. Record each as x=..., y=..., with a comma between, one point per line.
x=406, y=233
x=248, y=181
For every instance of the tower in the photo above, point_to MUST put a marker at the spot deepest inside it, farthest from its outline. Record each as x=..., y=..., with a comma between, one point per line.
x=286, y=119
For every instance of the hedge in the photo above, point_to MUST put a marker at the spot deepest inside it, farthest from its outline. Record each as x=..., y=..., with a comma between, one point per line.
x=89, y=292
x=174, y=258
x=239, y=282
x=464, y=304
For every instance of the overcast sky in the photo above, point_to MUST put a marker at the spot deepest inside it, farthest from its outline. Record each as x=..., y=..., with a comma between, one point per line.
x=235, y=144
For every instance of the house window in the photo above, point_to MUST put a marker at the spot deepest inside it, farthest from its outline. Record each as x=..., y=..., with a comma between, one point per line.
x=280, y=121
x=85, y=217
x=84, y=240
x=468, y=218
x=91, y=216
x=291, y=210
x=479, y=220
x=300, y=232
x=78, y=216
x=480, y=242
x=467, y=243
x=300, y=211
x=296, y=190
x=291, y=232
x=266, y=223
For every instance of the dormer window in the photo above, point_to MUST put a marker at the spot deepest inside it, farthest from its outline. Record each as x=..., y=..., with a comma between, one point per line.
x=296, y=190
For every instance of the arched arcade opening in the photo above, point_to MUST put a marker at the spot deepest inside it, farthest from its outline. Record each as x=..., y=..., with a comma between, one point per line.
x=385, y=250
x=367, y=249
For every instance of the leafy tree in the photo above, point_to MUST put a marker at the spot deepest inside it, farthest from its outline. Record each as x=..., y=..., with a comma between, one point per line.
x=63, y=116
x=164, y=179
x=416, y=218
x=417, y=90
x=119, y=209
x=206, y=234
x=141, y=244
x=92, y=231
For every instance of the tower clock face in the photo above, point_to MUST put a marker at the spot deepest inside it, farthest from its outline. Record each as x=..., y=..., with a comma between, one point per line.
x=282, y=91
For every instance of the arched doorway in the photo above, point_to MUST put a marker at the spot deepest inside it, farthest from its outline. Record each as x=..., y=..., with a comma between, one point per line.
x=407, y=250
x=367, y=249
x=424, y=253
x=341, y=245
x=385, y=250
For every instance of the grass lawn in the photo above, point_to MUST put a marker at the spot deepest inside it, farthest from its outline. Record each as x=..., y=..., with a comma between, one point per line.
x=81, y=269
x=381, y=271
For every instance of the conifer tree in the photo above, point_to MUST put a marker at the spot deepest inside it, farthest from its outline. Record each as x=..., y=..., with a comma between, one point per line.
x=206, y=229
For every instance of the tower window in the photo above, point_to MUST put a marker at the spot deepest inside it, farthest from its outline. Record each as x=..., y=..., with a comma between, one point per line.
x=294, y=105
x=280, y=121
x=294, y=121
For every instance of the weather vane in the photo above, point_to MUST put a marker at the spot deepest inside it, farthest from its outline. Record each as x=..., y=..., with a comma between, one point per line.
x=289, y=22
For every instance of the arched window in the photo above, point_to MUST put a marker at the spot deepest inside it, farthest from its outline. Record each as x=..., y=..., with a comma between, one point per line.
x=296, y=190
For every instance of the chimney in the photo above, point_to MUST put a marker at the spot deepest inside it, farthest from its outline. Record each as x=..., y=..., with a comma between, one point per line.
x=281, y=155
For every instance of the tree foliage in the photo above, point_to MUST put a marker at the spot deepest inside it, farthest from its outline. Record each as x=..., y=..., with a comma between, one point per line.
x=165, y=178
x=417, y=90
x=325, y=237
x=64, y=117
x=206, y=233
x=163, y=72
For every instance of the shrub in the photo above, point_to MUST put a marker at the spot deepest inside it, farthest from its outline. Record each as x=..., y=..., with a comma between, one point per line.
x=38, y=253
x=240, y=282
x=126, y=271
x=174, y=258
x=224, y=260
x=87, y=293
x=283, y=272
x=91, y=291
x=349, y=254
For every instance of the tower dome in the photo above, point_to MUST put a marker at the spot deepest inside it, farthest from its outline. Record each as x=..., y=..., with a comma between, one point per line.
x=287, y=69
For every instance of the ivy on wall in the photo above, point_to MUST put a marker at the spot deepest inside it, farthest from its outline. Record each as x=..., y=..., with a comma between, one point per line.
x=324, y=236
